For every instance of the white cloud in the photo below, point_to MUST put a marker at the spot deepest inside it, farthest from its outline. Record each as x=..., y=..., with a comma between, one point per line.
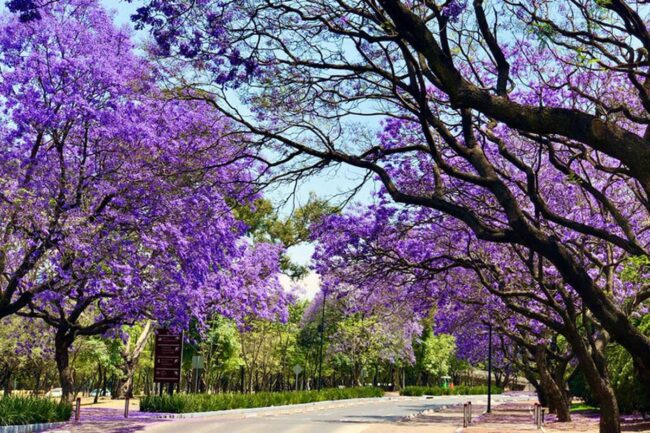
x=305, y=288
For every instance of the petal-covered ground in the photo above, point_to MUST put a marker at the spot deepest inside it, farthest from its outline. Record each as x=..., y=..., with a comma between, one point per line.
x=107, y=420
x=518, y=417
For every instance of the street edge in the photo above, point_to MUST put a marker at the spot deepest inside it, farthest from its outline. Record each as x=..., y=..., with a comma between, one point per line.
x=31, y=428
x=270, y=410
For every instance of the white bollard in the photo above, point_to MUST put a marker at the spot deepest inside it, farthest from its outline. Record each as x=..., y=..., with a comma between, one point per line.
x=77, y=410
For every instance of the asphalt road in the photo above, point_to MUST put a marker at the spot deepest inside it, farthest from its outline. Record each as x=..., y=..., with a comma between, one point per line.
x=350, y=419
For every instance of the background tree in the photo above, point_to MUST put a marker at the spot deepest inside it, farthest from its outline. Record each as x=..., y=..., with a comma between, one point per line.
x=438, y=354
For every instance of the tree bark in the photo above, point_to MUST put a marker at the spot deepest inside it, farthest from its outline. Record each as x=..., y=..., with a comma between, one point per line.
x=598, y=381
x=62, y=342
x=539, y=389
x=627, y=147
x=6, y=381
x=99, y=384
x=124, y=386
x=130, y=358
x=37, y=382
x=558, y=403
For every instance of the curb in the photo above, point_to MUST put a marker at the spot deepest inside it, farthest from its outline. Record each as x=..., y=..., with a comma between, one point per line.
x=278, y=410
x=426, y=412
x=31, y=428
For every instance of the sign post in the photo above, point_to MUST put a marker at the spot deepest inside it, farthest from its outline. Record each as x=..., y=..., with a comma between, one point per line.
x=297, y=369
x=169, y=354
x=197, y=366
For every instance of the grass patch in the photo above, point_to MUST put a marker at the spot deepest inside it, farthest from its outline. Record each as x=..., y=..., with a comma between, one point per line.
x=16, y=410
x=185, y=403
x=418, y=391
x=582, y=407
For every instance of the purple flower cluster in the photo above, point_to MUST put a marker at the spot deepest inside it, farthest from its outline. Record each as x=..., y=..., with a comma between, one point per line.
x=116, y=199
x=197, y=33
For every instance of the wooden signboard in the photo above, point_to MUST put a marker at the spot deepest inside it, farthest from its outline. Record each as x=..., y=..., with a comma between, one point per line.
x=169, y=355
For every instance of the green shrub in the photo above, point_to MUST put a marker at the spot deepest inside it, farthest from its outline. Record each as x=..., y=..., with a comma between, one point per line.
x=185, y=403
x=632, y=395
x=418, y=391
x=16, y=410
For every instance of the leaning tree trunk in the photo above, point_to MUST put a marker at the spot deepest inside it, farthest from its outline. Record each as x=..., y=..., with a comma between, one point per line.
x=130, y=358
x=531, y=377
x=62, y=342
x=559, y=373
x=558, y=403
x=599, y=384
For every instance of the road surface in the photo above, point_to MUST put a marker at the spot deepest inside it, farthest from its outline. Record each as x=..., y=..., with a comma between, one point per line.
x=356, y=418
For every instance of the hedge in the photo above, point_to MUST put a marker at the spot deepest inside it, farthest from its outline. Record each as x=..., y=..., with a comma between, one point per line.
x=438, y=390
x=17, y=410
x=186, y=403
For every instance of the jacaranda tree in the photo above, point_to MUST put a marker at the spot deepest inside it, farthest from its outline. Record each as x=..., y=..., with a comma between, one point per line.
x=415, y=257
x=116, y=200
x=527, y=122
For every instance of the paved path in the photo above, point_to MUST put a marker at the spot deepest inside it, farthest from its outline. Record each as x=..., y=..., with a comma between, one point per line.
x=382, y=415
x=375, y=416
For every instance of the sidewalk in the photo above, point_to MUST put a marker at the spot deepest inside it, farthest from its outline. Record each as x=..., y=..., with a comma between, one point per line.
x=517, y=417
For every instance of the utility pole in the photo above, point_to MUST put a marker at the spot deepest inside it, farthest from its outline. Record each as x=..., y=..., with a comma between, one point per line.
x=489, y=384
x=320, y=352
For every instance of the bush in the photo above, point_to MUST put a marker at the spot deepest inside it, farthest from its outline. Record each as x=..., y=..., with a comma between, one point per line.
x=418, y=391
x=185, y=403
x=631, y=392
x=632, y=395
x=31, y=410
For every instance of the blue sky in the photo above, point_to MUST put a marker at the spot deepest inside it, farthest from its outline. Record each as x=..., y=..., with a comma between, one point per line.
x=124, y=10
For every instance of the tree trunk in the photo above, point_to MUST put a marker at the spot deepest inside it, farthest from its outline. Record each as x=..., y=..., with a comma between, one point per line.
x=62, y=342
x=98, y=386
x=498, y=376
x=130, y=358
x=356, y=374
x=37, y=383
x=609, y=414
x=558, y=374
x=558, y=403
x=7, y=382
x=598, y=381
x=541, y=393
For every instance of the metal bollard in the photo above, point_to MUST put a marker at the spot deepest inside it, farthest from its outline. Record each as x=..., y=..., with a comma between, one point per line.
x=77, y=410
x=469, y=410
x=465, y=415
x=126, y=407
x=538, y=415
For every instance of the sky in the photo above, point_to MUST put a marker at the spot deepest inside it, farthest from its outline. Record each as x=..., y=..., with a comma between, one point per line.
x=329, y=184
